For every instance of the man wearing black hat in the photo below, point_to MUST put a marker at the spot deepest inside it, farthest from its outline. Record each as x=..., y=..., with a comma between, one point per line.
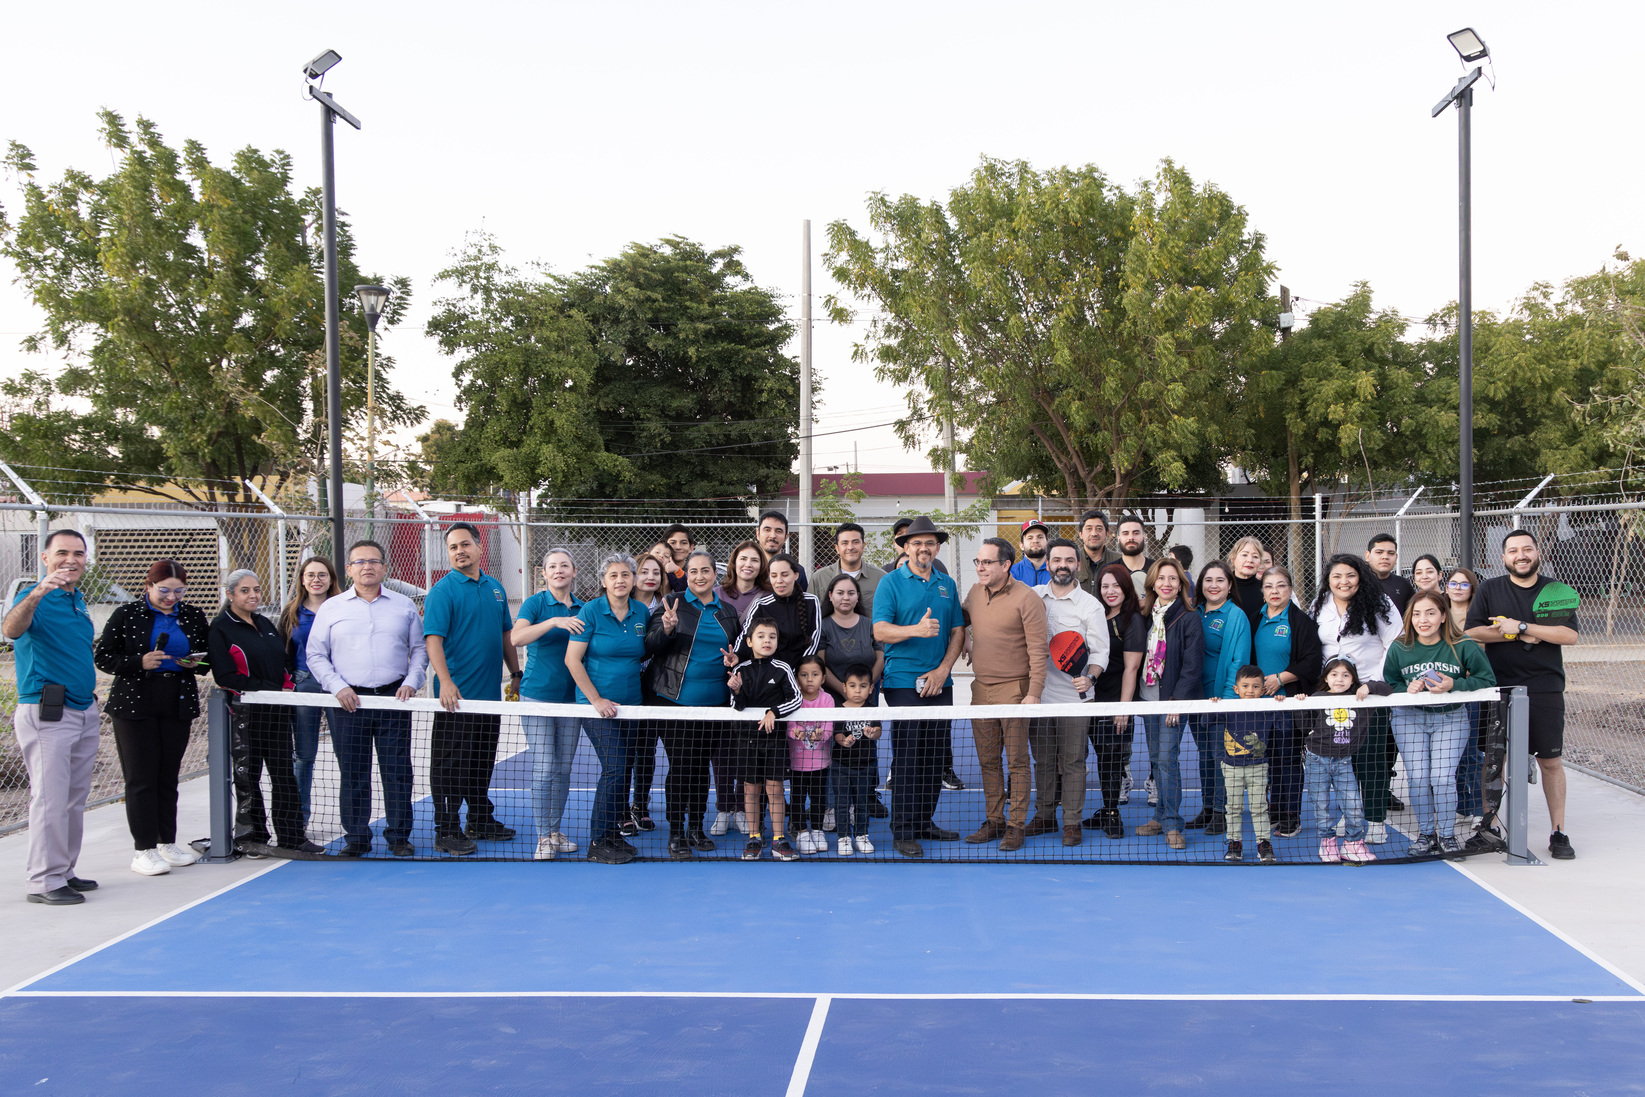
x=896, y=535
x=917, y=617
x=1031, y=570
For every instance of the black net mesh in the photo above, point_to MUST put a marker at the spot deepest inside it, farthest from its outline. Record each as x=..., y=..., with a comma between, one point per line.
x=1067, y=783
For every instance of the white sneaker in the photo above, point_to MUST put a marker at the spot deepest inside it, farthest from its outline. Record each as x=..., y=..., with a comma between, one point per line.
x=828, y=819
x=864, y=845
x=1153, y=792
x=740, y=821
x=561, y=843
x=803, y=842
x=545, y=848
x=845, y=847
x=1464, y=828
x=1376, y=834
x=722, y=824
x=175, y=855
x=1125, y=788
x=147, y=862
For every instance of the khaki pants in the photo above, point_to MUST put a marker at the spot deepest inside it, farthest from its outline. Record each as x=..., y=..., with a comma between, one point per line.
x=1058, y=744
x=1011, y=736
x=1247, y=784
x=59, y=757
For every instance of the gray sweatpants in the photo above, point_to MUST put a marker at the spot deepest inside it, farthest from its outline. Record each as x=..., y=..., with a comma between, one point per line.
x=59, y=757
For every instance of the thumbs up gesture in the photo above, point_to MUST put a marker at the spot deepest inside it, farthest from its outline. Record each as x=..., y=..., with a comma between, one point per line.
x=927, y=625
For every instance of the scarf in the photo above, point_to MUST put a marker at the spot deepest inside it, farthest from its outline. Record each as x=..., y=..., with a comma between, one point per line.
x=1154, y=661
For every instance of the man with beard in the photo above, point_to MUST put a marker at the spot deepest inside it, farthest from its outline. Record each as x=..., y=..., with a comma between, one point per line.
x=849, y=544
x=1524, y=629
x=1095, y=553
x=772, y=534
x=1133, y=537
x=1031, y=571
x=1383, y=556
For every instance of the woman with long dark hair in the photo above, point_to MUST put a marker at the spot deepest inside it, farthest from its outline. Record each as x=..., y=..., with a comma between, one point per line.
x=1460, y=587
x=1285, y=644
x=1357, y=622
x=1111, y=735
x=745, y=579
x=316, y=582
x=1227, y=648
x=1171, y=671
x=147, y=645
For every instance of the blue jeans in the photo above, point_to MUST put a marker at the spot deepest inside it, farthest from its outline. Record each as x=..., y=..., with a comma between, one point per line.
x=305, y=739
x=1321, y=777
x=553, y=741
x=352, y=737
x=1471, y=771
x=1164, y=750
x=613, y=742
x=1213, y=793
x=1431, y=744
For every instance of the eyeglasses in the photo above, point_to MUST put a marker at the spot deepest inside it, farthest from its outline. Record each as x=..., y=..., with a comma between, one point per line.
x=977, y=563
x=365, y=562
x=170, y=592
x=1459, y=584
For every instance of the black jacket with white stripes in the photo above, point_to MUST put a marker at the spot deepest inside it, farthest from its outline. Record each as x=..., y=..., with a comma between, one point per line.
x=799, y=625
x=766, y=684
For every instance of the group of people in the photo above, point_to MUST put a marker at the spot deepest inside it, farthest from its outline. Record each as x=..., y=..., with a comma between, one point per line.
x=676, y=628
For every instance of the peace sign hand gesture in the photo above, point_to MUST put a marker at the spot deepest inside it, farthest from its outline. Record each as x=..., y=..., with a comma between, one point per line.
x=671, y=615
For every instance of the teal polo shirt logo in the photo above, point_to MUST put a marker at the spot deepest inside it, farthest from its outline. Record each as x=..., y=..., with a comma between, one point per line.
x=1282, y=630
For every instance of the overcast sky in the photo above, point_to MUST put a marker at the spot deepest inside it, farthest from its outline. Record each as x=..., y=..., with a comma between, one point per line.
x=570, y=130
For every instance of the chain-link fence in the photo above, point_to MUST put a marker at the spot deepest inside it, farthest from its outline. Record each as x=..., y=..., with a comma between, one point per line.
x=1593, y=542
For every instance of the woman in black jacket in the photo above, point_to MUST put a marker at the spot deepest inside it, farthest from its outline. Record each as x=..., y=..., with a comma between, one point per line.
x=1171, y=671
x=153, y=702
x=1285, y=644
x=687, y=641
x=249, y=654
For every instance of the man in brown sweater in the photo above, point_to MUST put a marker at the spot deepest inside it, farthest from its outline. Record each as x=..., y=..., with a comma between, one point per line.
x=1009, y=651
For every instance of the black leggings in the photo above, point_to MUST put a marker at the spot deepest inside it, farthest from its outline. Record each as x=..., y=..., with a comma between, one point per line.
x=151, y=753
x=1113, y=751
x=808, y=791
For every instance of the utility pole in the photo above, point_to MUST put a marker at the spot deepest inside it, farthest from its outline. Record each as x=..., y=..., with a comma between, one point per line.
x=950, y=501
x=805, y=395
x=1293, y=540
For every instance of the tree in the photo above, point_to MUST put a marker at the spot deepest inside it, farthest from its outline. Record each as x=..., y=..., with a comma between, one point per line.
x=188, y=301
x=657, y=374
x=1082, y=338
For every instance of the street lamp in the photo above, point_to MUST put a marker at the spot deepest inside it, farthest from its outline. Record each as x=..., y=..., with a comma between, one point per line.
x=330, y=111
x=372, y=300
x=1470, y=47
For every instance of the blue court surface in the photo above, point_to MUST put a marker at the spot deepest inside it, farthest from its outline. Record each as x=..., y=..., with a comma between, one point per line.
x=566, y=977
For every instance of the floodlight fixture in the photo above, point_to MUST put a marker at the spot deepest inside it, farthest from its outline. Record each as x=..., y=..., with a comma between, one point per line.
x=321, y=64
x=372, y=301
x=1469, y=45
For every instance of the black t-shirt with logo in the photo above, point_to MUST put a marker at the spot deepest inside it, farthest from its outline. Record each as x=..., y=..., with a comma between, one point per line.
x=1398, y=589
x=1132, y=637
x=1540, y=668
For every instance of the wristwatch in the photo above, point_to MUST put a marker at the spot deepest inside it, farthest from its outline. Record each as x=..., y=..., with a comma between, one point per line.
x=1523, y=625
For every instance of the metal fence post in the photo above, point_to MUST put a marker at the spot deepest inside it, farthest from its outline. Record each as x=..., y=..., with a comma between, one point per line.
x=221, y=778
x=1517, y=770
x=1319, y=540
x=42, y=517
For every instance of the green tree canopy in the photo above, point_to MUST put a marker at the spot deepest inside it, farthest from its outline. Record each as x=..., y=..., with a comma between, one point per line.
x=188, y=301
x=657, y=374
x=1083, y=338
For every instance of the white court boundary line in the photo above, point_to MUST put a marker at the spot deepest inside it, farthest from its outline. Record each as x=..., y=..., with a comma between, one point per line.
x=17, y=989
x=1551, y=928
x=985, y=996
x=808, y=1047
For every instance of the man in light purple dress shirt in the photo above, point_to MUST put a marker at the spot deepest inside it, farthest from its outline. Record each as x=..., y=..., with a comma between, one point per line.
x=368, y=641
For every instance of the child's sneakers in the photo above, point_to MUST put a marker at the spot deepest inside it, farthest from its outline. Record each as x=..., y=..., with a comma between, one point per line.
x=805, y=843
x=722, y=824
x=782, y=851
x=1328, y=850
x=845, y=846
x=1376, y=834
x=751, y=852
x=1425, y=845
x=1236, y=852
x=828, y=820
x=864, y=845
x=1265, y=852
x=740, y=821
x=1355, y=853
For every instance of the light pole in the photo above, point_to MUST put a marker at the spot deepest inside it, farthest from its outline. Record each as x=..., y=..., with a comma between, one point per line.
x=330, y=111
x=372, y=300
x=1470, y=47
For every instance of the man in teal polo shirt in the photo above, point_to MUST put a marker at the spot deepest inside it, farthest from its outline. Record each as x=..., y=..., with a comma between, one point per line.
x=57, y=716
x=466, y=623
x=917, y=617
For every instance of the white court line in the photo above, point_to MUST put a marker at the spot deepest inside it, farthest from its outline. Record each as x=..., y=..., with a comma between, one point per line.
x=764, y=994
x=808, y=1048
x=1551, y=928
x=133, y=932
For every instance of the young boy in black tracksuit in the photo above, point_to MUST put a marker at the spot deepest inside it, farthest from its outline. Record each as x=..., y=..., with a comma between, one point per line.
x=768, y=683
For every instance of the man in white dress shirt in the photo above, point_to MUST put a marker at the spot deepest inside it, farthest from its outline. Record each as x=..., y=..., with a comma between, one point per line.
x=369, y=640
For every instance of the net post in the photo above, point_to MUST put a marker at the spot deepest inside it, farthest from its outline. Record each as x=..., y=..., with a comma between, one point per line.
x=1517, y=778
x=221, y=777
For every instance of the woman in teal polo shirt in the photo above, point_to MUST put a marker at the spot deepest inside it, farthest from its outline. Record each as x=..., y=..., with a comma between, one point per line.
x=1285, y=644
x=547, y=622
x=604, y=660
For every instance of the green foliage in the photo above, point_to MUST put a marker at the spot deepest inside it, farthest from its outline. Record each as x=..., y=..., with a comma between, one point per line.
x=188, y=300
x=658, y=374
x=1081, y=337
x=831, y=504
